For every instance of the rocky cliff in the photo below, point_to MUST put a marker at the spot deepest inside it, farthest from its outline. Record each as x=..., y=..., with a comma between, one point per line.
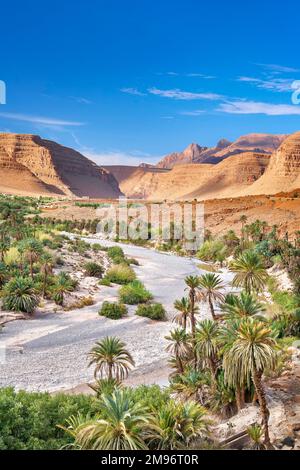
x=53, y=168
x=283, y=172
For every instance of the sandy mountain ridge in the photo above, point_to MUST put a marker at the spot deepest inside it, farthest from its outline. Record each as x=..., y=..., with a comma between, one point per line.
x=202, y=180
x=31, y=165
x=194, y=153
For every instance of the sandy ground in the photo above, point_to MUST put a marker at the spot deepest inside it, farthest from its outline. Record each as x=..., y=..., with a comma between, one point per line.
x=49, y=351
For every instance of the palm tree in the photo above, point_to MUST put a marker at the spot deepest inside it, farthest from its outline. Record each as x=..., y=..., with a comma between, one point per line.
x=189, y=385
x=19, y=295
x=250, y=273
x=4, y=243
x=210, y=287
x=105, y=386
x=252, y=352
x=243, y=305
x=63, y=285
x=32, y=249
x=122, y=425
x=179, y=424
x=111, y=358
x=46, y=269
x=243, y=220
x=184, y=309
x=192, y=283
x=179, y=346
x=207, y=345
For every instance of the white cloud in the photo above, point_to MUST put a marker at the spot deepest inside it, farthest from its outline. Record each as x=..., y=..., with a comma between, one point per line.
x=196, y=112
x=81, y=100
x=40, y=120
x=253, y=107
x=200, y=75
x=132, y=91
x=178, y=94
x=278, y=68
x=273, y=84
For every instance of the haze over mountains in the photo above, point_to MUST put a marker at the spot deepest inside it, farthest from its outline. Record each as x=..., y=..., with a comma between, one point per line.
x=253, y=164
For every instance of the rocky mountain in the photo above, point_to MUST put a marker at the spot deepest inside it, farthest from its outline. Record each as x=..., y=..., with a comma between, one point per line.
x=191, y=154
x=193, y=180
x=259, y=143
x=30, y=165
x=283, y=172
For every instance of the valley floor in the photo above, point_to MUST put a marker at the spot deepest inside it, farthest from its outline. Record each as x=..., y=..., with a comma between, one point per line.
x=49, y=351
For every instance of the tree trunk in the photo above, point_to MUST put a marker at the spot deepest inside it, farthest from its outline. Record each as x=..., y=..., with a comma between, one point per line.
x=240, y=399
x=193, y=325
x=179, y=364
x=212, y=310
x=263, y=406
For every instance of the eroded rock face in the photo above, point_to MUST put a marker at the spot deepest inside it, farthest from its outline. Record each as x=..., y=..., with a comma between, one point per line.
x=283, y=172
x=58, y=169
x=259, y=143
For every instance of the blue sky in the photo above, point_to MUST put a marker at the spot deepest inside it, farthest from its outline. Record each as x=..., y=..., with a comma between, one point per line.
x=129, y=81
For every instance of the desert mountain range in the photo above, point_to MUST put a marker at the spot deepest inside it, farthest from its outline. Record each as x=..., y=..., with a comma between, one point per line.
x=31, y=165
x=253, y=164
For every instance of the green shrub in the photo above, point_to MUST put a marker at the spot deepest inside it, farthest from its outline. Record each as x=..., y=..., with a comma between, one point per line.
x=154, y=311
x=113, y=310
x=120, y=274
x=115, y=252
x=20, y=295
x=212, y=250
x=134, y=293
x=132, y=261
x=105, y=282
x=93, y=269
x=31, y=421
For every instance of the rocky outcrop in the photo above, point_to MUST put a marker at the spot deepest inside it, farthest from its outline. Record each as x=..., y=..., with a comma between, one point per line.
x=283, y=172
x=54, y=168
x=259, y=143
x=190, y=155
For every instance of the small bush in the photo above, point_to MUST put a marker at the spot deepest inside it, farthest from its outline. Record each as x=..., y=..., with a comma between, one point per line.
x=120, y=274
x=132, y=261
x=80, y=303
x=134, y=293
x=105, y=282
x=93, y=269
x=96, y=247
x=153, y=311
x=113, y=310
x=115, y=252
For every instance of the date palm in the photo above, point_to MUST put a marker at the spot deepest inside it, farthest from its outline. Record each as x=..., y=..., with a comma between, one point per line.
x=121, y=425
x=111, y=358
x=178, y=424
x=64, y=284
x=19, y=295
x=179, y=346
x=192, y=283
x=184, y=309
x=243, y=305
x=210, y=290
x=207, y=345
x=46, y=269
x=251, y=353
x=250, y=273
x=32, y=249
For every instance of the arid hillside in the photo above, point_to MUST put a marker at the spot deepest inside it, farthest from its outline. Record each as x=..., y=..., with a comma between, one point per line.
x=31, y=165
x=202, y=180
x=283, y=172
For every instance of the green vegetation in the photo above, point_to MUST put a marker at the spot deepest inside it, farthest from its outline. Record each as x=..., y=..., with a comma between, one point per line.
x=120, y=274
x=153, y=311
x=134, y=293
x=93, y=269
x=113, y=310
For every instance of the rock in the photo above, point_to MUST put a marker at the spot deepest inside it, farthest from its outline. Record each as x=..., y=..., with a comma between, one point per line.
x=34, y=165
x=288, y=441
